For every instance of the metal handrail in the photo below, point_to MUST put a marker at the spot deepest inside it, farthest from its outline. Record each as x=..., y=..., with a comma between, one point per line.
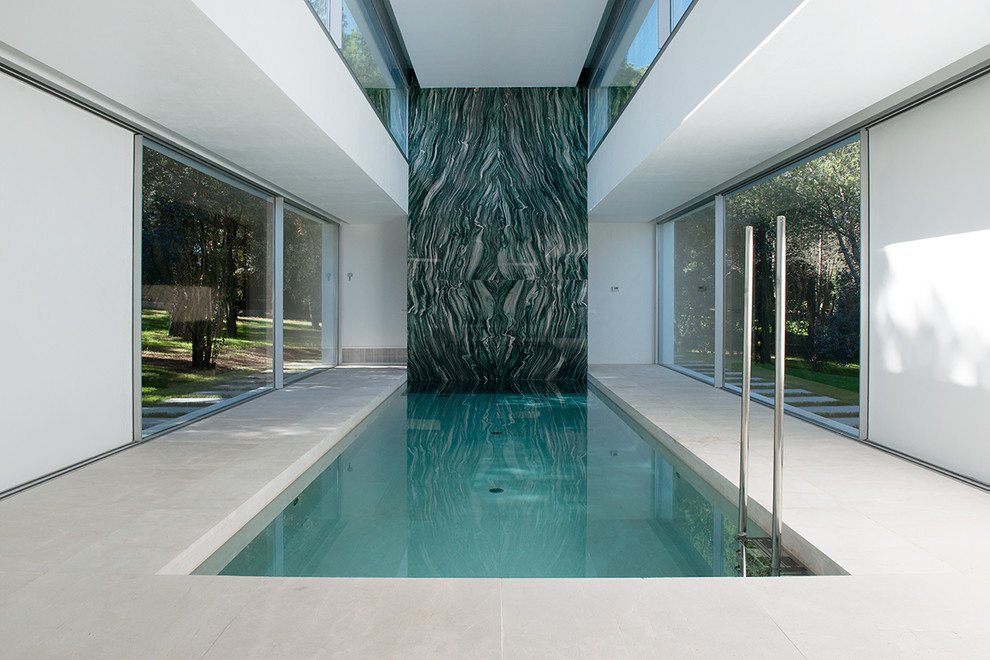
x=778, y=397
x=778, y=408
x=747, y=377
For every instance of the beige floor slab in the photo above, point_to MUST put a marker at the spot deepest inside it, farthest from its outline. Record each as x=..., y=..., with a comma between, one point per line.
x=366, y=618
x=114, y=616
x=79, y=554
x=661, y=618
x=881, y=616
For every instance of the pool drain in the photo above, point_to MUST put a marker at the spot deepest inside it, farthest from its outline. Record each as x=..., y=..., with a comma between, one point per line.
x=495, y=490
x=496, y=432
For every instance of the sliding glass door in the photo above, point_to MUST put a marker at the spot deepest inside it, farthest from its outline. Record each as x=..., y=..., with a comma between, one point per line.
x=208, y=304
x=310, y=285
x=687, y=281
x=821, y=200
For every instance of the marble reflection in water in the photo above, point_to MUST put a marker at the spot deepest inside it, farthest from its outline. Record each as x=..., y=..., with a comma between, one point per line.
x=581, y=495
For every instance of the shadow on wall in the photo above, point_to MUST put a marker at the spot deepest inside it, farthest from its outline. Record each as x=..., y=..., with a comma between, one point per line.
x=934, y=311
x=930, y=375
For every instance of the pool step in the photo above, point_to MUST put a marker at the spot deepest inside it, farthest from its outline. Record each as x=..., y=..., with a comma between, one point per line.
x=788, y=564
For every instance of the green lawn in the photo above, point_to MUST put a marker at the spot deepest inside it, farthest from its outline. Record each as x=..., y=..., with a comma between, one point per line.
x=166, y=362
x=839, y=381
x=301, y=338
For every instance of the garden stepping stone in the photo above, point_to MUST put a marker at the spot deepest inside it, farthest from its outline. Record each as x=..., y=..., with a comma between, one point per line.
x=830, y=411
x=807, y=400
x=168, y=411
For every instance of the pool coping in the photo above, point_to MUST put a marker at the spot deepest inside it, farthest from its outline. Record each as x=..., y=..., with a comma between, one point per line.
x=848, y=507
x=206, y=546
x=79, y=555
x=796, y=545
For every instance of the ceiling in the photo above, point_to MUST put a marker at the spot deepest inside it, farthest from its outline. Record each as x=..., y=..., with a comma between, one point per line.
x=505, y=43
x=786, y=78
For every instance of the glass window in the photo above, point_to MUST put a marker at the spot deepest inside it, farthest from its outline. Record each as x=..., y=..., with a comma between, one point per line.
x=630, y=52
x=821, y=200
x=206, y=283
x=368, y=54
x=677, y=9
x=687, y=280
x=310, y=293
x=322, y=10
x=354, y=26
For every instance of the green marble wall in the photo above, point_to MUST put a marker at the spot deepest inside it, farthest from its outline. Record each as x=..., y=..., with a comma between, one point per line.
x=498, y=235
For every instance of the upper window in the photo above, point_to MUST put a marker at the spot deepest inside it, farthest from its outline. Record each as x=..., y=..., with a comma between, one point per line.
x=641, y=29
x=362, y=40
x=677, y=10
x=630, y=51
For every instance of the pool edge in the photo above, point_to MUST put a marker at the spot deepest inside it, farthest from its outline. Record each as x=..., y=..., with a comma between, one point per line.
x=808, y=554
x=200, y=550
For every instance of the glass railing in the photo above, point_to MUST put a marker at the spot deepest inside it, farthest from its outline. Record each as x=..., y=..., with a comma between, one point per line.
x=641, y=29
x=357, y=31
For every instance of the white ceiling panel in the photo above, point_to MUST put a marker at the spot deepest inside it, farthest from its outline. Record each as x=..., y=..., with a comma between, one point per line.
x=507, y=43
x=794, y=73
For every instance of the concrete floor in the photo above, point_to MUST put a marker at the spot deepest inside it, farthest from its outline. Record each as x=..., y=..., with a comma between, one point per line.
x=94, y=563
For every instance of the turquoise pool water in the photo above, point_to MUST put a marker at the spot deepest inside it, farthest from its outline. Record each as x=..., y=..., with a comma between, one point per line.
x=515, y=484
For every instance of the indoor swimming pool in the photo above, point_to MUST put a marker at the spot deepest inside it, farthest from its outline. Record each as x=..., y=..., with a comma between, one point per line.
x=523, y=483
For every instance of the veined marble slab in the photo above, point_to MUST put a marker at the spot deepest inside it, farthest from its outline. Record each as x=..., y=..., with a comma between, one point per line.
x=498, y=235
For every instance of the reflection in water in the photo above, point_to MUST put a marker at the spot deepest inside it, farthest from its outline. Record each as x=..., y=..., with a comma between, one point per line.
x=498, y=484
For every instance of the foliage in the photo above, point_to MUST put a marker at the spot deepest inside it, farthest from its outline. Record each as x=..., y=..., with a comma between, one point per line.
x=322, y=9
x=361, y=59
x=694, y=518
x=204, y=255
x=303, y=267
x=821, y=200
x=757, y=562
x=694, y=282
x=621, y=89
x=166, y=371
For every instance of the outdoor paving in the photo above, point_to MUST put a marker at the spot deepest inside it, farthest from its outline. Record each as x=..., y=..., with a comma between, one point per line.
x=95, y=563
x=827, y=411
x=808, y=402
x=171, y=409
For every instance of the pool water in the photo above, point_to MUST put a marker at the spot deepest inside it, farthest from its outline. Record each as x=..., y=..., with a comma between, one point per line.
x=508, y=484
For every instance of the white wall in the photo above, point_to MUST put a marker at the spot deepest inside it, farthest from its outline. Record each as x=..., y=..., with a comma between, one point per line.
x=373, y=285
x=929, y=285
x=66, y=181
x=621, y=324
x=254, y=86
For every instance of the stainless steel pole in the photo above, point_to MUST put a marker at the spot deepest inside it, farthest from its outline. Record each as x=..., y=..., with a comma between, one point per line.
x=747, y=376
x=778, y=396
